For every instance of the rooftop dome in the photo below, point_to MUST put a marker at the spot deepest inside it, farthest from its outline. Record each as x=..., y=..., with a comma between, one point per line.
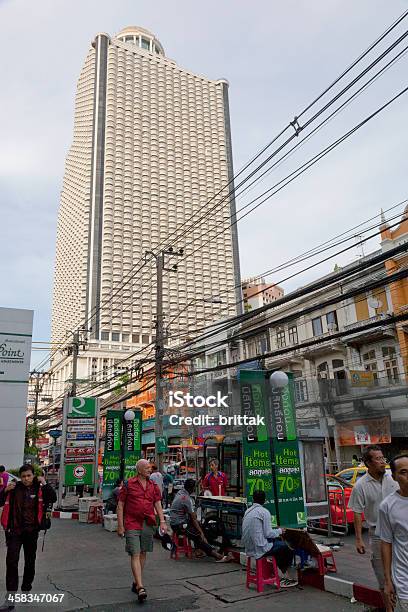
x=141, y=38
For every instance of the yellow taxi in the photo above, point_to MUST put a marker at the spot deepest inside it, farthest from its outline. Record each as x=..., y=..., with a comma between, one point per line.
x=352, y=474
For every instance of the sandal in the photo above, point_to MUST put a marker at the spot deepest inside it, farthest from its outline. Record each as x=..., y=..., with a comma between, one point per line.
x=141, y=594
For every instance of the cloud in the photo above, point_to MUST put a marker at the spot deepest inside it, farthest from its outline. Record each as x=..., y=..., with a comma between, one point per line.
x=277, y=57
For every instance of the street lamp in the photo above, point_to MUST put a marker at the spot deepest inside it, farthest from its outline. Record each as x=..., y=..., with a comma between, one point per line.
x=279, y=379
x=127, y=417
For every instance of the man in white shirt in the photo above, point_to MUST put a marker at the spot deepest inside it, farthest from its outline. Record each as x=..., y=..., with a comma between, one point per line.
x=368, y=493
x=392, y=528
x=260, y=540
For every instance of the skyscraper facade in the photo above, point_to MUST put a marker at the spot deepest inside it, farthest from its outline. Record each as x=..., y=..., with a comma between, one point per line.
x=150, y=157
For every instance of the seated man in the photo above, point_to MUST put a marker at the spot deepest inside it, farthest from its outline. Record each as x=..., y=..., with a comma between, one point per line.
x=183, y=521
x=260, y=540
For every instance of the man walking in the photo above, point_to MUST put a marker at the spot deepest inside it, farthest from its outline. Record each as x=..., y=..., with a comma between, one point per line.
x=392, y=529
x=25, y=505
x=367, y=494
x=139, y=499
x=183, y=521
x=260, y=540
x=216, y=482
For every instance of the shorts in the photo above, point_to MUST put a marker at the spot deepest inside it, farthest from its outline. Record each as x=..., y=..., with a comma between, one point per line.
x=402, y=605
x=139, y=540
x=376, y=561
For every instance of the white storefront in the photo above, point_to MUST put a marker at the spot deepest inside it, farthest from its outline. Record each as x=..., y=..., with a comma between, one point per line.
x=15, y=348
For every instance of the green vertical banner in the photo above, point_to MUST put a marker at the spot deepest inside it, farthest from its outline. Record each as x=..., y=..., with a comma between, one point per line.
x=285, y=451
x=112, y=453
x=257, y=464
x=133, y=444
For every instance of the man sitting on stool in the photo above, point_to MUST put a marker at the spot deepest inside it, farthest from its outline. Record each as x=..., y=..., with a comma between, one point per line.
x=260, y=540
x=183, y=521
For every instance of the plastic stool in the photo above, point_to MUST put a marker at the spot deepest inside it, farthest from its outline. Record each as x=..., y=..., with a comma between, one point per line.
x=325, y=555
x=181, y=548
x=265, y=572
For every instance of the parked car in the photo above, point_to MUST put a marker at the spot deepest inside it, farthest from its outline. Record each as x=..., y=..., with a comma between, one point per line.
x=352, y=474
x=339, y=491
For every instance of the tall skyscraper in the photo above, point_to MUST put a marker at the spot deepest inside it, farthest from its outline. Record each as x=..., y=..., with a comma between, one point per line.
x=151, y=147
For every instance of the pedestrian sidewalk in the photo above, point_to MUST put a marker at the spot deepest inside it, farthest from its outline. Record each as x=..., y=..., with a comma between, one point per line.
x=89, y=567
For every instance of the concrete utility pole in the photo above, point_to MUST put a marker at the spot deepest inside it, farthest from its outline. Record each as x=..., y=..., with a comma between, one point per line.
x=75, y=351
x=160, y=338
x=37, y=390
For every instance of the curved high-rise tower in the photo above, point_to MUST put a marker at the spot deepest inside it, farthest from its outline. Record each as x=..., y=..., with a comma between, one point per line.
x=151, y=147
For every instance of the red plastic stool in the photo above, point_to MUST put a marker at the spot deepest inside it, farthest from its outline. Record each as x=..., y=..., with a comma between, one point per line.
x=95, y=514
x=325, y=560
x=181, y=548
x=265, y=572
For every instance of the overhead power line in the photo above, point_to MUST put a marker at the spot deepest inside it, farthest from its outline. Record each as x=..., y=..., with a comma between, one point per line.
x=350, y=67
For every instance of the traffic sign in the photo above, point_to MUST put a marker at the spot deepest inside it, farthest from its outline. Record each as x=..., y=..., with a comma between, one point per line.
x=55, y=433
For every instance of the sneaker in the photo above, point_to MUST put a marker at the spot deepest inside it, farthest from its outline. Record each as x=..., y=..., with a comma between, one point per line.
x=287, y=583
x=226, y=558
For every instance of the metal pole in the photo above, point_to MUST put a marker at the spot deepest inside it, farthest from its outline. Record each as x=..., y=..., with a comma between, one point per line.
x=159, y=358
x=53, y=455
x=37, y=391
x=75, y=350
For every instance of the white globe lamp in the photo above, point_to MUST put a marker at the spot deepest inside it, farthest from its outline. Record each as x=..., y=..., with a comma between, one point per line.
x=129, y=415
x=279, y=379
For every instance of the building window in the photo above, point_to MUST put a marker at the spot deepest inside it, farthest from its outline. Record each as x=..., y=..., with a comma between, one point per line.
x=145, y=339
x=145, y=43
x=390, y=364
x=331, y=320
x=135, y=338
x=94, y=368
x=370, y=363
x=300, y=386
x=317, y=326
x=104, y=335
x=105, y=369
x=115, y=336
x=280, y=338
x=293, y=335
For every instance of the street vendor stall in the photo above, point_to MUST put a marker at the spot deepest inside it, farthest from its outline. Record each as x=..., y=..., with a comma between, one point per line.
x=227, y=510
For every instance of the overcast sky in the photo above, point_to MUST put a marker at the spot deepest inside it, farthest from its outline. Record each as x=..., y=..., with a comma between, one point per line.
x=277, y=56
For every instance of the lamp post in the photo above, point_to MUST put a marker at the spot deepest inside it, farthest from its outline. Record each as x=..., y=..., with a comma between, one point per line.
x=279, y=380
x=127, y=418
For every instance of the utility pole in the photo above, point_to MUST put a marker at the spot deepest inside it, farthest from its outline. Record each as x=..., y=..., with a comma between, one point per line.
x=159, y=349
x=75, y=351
x=159, y=355
x=37, y=390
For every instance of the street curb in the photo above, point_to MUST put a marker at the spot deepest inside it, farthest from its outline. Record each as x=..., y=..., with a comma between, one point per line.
x=65, y=515
x=337, y=586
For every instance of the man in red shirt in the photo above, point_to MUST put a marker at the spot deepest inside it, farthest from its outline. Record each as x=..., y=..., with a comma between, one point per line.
x=139, y=500
x=215, y=481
